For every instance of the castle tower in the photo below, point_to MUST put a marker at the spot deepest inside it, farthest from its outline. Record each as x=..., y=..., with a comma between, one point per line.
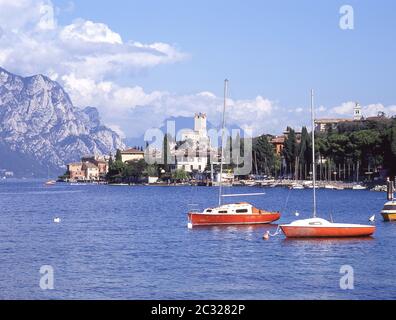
x=200, y=124
x=357, y=112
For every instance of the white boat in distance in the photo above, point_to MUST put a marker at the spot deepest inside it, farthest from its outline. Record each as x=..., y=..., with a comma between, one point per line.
x=359, y=187
x=297, y=187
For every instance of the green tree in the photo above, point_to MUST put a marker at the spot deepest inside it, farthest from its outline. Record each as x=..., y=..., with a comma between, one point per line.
x=305, y=152
x=118, y=155
x=264, y=155
x=152, y=170
x=166, y=152
x=179, y=175
x=393, y=140
x=134, y=171
x=338, y=148
x=367, y=148
x=390, y=151
x=116, y=171
x=290, y=150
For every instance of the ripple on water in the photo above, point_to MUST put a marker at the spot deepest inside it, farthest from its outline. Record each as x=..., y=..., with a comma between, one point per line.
x=133, y=243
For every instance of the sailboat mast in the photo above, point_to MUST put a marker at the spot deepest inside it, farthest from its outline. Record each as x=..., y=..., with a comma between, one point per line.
x=313, y=154
x=222, y=141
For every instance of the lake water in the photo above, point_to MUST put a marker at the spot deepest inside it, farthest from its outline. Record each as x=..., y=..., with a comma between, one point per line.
x=133, y=243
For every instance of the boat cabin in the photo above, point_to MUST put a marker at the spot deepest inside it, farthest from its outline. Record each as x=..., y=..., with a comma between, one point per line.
x=237, y=208
x=390, y=206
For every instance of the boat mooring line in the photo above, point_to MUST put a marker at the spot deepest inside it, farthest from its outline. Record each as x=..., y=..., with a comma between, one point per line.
x=287, y=201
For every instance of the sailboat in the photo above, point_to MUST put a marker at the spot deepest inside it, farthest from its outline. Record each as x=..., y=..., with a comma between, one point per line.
x=389, y=210
x=49, y=182
x=317, y=227
x=241, y=213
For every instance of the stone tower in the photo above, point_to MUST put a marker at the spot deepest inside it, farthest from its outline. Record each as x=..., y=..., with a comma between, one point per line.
x=357, y=112
x=200, y=124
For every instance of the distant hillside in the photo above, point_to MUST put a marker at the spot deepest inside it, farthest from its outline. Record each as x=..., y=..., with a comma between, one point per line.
x=41, y=130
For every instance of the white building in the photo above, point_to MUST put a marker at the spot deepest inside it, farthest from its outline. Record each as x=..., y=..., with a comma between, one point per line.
x=357, y=112
x=199, y=136
x=190, y=164
x=192, y=155
x=132, y=155
x=324, y=125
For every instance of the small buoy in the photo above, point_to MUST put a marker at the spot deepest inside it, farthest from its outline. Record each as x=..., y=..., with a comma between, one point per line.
x=297, y=214
x=372, y=219
x=266, y=235
x=57, y=220
x=189, y=226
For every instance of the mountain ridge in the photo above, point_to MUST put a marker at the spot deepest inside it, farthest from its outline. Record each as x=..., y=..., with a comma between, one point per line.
x=39, y=123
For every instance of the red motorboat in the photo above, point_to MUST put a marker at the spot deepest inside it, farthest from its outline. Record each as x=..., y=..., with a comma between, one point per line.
x=232, y=214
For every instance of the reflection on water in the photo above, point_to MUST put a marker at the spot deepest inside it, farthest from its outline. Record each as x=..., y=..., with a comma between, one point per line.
x=133, y=243
x=327, y=241
x=233, y=228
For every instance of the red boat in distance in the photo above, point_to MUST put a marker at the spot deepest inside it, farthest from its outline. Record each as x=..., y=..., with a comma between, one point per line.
x=232, y=214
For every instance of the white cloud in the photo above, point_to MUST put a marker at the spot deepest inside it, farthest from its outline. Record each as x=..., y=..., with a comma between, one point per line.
x=135, y=110
x=88, y=57
x=31, y=41
x=17, y=15
x=88, y=31
x=346, y=110
x=117, y=129
x=47, y=17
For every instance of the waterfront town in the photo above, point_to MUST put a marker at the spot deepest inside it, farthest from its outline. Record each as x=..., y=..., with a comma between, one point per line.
x=351, y=152
x=189, y=157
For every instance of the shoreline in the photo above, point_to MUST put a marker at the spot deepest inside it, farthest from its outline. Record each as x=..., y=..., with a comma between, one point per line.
x=291, y=184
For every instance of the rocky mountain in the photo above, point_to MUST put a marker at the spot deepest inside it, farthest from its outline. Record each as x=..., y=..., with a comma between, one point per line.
x=40, y=128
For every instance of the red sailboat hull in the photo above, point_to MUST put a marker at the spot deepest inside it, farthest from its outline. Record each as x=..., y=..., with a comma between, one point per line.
x=200, y=219
x=327, y=232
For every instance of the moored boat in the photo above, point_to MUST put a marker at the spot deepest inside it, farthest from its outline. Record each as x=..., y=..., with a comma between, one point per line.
x=321, y=228
x=359, y=187
x=297, y=187
x=232, y=214
x=389, y=211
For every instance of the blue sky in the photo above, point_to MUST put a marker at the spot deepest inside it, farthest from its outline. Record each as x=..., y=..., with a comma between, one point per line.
x=276, y=48
x=273, y=52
